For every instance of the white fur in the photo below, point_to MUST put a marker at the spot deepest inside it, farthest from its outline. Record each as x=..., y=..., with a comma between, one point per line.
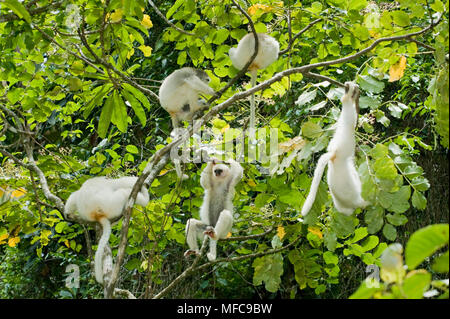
x=180, y=88
x=216, y=212
x=343, y=179
x=268, y=50
x=102, y=199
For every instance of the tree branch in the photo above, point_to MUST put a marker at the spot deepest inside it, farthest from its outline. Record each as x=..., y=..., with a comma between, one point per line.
x=189, y=271
x=167, y=21
x=291, y=42
x=12, y=16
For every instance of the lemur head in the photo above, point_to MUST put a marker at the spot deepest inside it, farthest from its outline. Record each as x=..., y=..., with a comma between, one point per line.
x=202, y=75
x=352, y=92
x=221, y=171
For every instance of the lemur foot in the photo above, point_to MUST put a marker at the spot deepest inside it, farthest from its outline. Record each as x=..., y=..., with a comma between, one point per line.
x=190, y=252
x=210, y=232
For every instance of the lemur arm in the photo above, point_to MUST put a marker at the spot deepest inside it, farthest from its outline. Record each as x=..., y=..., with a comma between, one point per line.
x=206, y=176
x=198, y=85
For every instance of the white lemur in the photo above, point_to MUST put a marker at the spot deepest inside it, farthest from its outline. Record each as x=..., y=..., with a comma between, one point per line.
x=179, y=96
x=268, y=49
x=216, y=212
x=179, y=93
x=343, y=179
x=101, y=200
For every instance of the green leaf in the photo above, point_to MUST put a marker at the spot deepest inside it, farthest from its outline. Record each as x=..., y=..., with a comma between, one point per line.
x=137, y=94
x=100, y=91
x=306, y=97
x=60, y=226
x=18, y=9
x=311, y=130
x=397, y=219
x=330, y=258
x=370, y=84
x=374, y=219
x=401, y=18
x=105, y=116
x=416, y=283
x=342, y=225
x=370, y=243
x=424, y=242
x=136, y=106
x=268, y=269
x=440, y=264
x=174, y=8
x=119, y=115
x=365, y=292
x=389, y=232
x=132, y=149
x=360, y=233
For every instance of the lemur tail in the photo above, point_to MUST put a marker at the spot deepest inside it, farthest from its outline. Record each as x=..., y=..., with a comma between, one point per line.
x=323, y=161
x=106, y=232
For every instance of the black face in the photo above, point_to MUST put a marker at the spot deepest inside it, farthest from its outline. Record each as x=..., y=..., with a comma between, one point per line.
x=218, y=171
x=202, y=75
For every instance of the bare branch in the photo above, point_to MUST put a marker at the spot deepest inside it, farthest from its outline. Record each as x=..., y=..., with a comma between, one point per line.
x=242, y=238
x=155, y=165
x=189, y=271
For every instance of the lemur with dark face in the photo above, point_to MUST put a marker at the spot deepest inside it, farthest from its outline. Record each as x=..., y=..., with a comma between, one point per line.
x=216, y=212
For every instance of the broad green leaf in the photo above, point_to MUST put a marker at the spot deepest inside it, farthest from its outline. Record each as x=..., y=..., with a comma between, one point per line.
x=268, y=269
x=119, y=115
x=105, y=116
x=401, y=18
x=374, y=219
x=370, y=84
x=440, y=264
x=396, y=219
x=416, y=283
x=311, y=130
x=360, y=233
x=330, y=258
x=137, y=94
x=424, y=242
x=389, y=232
x=136, y=106
x=419, y=201
x=342, y=225
x=18, y=9
x=174, y=8
x=132, y=149
x=306, y=97
x=369, y=243
x=365, y=292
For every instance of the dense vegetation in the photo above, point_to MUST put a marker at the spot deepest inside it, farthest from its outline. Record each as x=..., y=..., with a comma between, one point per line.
x=78, y=98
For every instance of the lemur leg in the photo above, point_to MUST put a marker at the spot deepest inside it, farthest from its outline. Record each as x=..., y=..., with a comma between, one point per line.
x=212, y=250
x=194, y=228
x=223, y=226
